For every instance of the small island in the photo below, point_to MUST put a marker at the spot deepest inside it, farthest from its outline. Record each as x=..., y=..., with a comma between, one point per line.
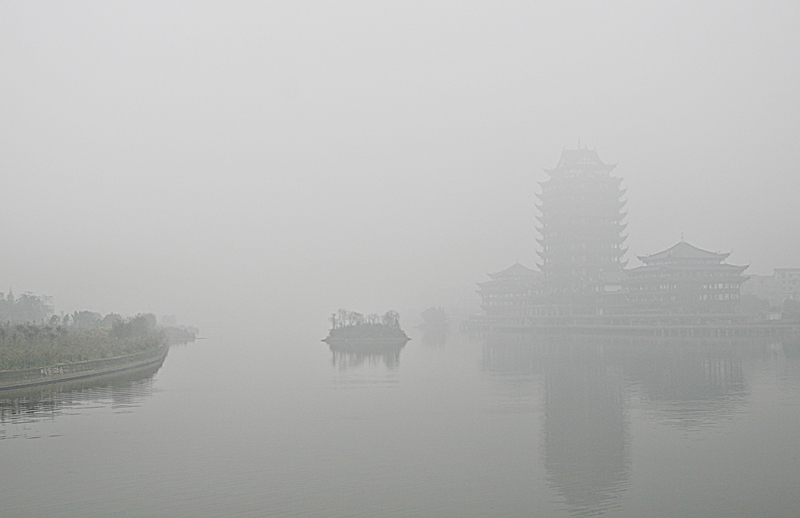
x=355, y=329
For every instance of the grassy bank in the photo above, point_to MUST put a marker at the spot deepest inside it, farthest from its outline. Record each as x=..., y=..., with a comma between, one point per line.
x=24, y=346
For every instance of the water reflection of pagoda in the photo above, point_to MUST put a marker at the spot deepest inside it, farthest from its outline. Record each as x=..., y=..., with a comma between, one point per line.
x=587, y=456
x=586, y=438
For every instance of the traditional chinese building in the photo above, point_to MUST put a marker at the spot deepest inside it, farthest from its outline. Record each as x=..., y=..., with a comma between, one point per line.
x=584, y=283
x=505, y=299
x=684, y=280
x=581, y=228
x=582, y=245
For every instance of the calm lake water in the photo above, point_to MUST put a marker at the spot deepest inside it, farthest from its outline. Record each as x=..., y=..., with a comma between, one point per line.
x=257, y=424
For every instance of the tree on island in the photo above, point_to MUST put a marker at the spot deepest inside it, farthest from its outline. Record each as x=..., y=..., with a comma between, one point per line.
x=344, y=318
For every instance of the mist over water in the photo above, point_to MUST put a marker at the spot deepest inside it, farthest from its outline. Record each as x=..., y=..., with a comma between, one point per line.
x=500, y=425
x=251, y=168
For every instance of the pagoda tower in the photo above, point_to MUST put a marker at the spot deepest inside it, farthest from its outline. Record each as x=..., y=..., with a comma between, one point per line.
x=580, y=224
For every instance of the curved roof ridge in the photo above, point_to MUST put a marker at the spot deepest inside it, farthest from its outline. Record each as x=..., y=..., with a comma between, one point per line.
x=515, y=270
x=684, y=250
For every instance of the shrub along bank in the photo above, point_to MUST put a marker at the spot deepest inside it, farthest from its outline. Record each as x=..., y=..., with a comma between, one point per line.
x=24, y=346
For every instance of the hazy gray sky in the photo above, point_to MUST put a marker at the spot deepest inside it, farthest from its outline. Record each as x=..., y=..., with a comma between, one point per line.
x=198, y=158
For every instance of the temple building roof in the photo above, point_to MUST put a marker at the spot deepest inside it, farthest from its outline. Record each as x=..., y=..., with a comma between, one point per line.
x=683, y=252
x=695, y=267
x=515, y=270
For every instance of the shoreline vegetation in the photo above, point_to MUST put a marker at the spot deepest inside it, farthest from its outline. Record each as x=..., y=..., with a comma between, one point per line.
x=32, y=337
x=25, y=346
x=349, y=325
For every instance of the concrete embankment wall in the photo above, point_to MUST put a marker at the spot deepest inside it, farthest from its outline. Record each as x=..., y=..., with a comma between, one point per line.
x=71, y=371
x=690, y=331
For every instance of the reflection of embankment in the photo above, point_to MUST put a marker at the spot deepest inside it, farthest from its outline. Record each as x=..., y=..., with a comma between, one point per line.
x=122, y=389
x=350, y=356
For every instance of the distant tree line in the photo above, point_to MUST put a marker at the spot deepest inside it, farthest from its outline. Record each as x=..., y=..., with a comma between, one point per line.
x=38, y=309
x=791, y=310
x=92, y=319
x=27, y=308
x=758, y=308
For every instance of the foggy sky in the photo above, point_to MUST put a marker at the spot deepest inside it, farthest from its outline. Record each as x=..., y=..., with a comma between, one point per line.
x=248, y=158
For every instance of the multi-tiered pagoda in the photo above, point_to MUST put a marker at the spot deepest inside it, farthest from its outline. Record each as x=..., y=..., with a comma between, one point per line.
x=582, y=232
x=583, y=283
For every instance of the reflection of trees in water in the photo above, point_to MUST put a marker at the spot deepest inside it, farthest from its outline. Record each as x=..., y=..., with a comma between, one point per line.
x=435, y=335
x=372, y=355
x=587, y=456
x=119, y=390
